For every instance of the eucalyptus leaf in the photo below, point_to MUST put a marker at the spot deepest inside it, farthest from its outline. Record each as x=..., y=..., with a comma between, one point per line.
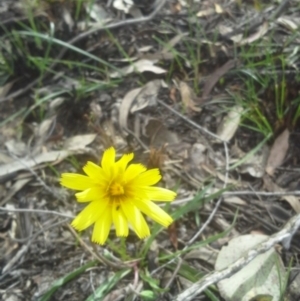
x=264, y=275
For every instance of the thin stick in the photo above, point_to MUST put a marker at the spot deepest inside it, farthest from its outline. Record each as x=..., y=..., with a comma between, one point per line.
x=194, y=124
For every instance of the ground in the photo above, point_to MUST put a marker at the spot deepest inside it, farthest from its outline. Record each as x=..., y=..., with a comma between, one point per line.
x=206, y=91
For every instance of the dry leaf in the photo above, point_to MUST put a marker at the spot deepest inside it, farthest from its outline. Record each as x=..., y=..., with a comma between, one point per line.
x=172, y=231
x=147, y=96
x=79, y=142
x=5, y=159
x=188, y=96
x=156, y=158
x=43, y=128
x=123, y=5
x=125, y=107
x=205, y=12
x=172, y=94
x=16, y=148
x=226, y=30
x=159, y=135
x=278, y=152
x=230, y=123
x=157, y=56
x=214, y=78
x=218, y=8
x=74, y=145
x=263, y=275
x=206, y=254
x=255, y=163
x=288, y=22
x=138, y=66
x=234, y=200
x=97, y=12
x=293, y=201
x=27, y=163
x=263, y=29
x=138, y=99
x=269, y=185
x=67, y=16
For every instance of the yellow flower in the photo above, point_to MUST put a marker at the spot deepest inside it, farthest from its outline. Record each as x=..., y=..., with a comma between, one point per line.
x=118, y=193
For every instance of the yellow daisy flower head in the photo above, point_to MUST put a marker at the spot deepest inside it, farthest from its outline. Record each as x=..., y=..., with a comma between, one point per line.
x=117, y=193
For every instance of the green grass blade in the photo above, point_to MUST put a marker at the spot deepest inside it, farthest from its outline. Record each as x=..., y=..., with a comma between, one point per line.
x=251, y=153
x=102, y=290
x=12, y=117
x=199, y=200
x=69, y=46
x=193, y=275
x=63, y=280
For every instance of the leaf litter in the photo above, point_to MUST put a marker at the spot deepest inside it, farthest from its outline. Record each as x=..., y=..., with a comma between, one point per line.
x=79, y=124
x=264, y=275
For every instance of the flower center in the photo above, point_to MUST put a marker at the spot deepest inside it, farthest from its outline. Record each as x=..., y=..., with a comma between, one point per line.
x=116, y=189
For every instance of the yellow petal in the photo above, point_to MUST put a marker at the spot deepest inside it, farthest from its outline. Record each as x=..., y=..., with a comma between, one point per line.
x=133, y=171
x=75, y=181
x=108, y=160
x=90, y=194
x=159, y=194
x=123, y=162
x=89, y=215
x=147, y=178
x=102, y=227
x=120, y=221
x=136, y=219
x=94, y=171
x=154, y=212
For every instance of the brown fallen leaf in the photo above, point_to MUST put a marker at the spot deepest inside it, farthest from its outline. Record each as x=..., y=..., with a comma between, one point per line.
x=188, y=97
x=172, y=231
x=278, y=152
x=214, y=78
x=159, y=135
x=156, y=157
x=172, y=94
